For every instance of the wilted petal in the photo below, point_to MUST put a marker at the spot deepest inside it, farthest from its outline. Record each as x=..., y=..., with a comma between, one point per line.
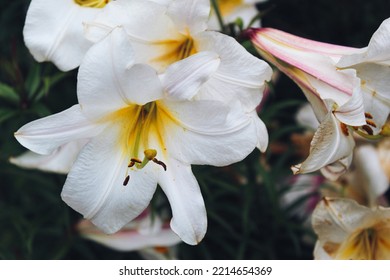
x=189, y=219
x=331, y=142
x=45, y=135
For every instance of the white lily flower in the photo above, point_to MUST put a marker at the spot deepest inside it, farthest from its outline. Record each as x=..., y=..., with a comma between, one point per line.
x=173, y=33
x=131, y=121
x=59, y=161
x=232, y=9
x=337, y=94
x=347, y=230
x=147, y=234
x=53, y=30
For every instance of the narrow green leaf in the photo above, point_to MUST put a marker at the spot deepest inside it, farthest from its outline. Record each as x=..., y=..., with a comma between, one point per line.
x=9, y=94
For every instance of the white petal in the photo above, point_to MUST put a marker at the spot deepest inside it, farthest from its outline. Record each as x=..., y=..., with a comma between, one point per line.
x=190, y=16
x=128, y=239
x=261, y=132
x=95, y=185
x=189, y=219
x=306, y=117
x=121, y=83
x=370, y=176
x=377, y=50
x=335, y=218
x=45, y=135
x=60, y=161
x=334, y=170
x=329, y=144
x=54, y=32
x=239, y=76
x=209, y=132
x=376, y=92
x=183, y=79
x=319, y=252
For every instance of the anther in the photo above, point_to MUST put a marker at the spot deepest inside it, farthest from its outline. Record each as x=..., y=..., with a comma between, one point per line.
x=368, y=129
x=370, y=122
x=368, y=116
x=135, y=160
x=160, y=163
x=344, y=129
x=126, y=181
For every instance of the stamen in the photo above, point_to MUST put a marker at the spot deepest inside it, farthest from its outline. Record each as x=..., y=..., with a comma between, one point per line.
x=370, y=122
x=126, y=181
x=92, y=3
x=368, y=116
x=368, y=129
x=160, y=163
x=135, y=160
x=344, y=129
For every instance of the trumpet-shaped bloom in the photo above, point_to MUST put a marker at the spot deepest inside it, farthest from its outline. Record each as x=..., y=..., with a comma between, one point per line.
x=172, y=33
x=233, y=9
x=147, y=234
x=347, y=230
x=142, y=133
x=337, y=92
x=53, y=30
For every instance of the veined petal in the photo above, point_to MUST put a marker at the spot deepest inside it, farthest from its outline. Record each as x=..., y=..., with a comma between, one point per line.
x=95, y=188
x=189, y=219
x=377, y=50
x=122, y=82
x=334, y=170
x=352, y=112
x=45, y=135
x=53, y=31
x=331, y=142
x=239, y=76
x=319, y=67
x=60, y=161
x=189, y=16
x=209, y=132
x=183, y=79
x=375, y=87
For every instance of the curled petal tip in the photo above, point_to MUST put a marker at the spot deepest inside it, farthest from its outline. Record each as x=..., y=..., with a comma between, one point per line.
x=296, y=169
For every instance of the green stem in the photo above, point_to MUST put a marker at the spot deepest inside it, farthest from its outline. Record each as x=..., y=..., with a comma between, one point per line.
x=218, y=13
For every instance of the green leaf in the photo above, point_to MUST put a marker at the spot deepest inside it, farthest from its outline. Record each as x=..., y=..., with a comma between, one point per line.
x=9, y=94
x=6, y=114
x=33, y=80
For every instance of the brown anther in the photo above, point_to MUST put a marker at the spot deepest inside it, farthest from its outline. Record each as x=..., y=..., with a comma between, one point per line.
x=131, y=164
x=344, y=129
x=126, y=181
x=370, y=122
x=368, y=116
x=135, y=160
x=160, y=163
x=368, y=129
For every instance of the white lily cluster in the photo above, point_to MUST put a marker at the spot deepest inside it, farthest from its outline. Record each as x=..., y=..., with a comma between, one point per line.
x=157, y=93
x=348, y=89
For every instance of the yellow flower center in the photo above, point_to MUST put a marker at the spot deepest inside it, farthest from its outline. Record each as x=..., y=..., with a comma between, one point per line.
x=142, y=130
x=92, y=3
x=364, y=244
x=226, y=7
x=174, y=50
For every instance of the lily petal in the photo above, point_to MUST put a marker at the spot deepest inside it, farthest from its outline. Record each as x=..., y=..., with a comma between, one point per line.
x=122, y=83
x=240, y=75
x=60, y=161
x=45, y=135
x=94, y=186
x=330, y=144
x=188, y=210
x=183, y=79
x=189, y=16
x=209, y=132
x=54, y=32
